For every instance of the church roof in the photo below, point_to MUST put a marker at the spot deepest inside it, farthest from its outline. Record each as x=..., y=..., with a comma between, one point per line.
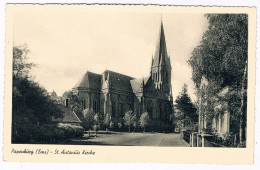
x=161, y=56
x=137, y=84
x=119, y=81
x=89, y=80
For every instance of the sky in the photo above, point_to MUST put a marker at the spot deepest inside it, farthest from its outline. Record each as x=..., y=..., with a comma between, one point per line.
x=65, y=44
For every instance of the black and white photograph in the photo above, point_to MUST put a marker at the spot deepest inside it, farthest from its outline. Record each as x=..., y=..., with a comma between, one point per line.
x=130, y=77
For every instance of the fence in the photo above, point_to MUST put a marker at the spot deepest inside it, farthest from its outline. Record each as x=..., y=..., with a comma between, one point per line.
x=185, y=135
x=207, y=140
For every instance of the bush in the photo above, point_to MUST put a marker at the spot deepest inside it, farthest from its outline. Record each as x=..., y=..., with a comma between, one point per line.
x=111, y=125
x=68, y=131
x=96, y=127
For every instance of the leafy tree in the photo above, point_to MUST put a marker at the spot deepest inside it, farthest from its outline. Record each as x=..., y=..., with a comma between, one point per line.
x=53, y=94
x=21, y=66
x=178, y=118
x=96, y=128
x=89, y=120
x=144, y=120
x=96, y=119
x=33, y=108
x=111, y=125
x=96, y=123
x=222, y=53
x=101, y=120
x=135, y=122
x=107, y=121
x=187, y=112
x=119, y=126
x=222, y=58
x=73, y=101
x=129, y=119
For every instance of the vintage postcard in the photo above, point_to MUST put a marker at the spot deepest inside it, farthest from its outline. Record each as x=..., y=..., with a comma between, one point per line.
x=129, y=83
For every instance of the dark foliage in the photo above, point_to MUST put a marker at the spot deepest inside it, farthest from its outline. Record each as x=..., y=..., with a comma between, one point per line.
x=222, y=53
x=187, y=111
x=221, y=58
x=32, y=107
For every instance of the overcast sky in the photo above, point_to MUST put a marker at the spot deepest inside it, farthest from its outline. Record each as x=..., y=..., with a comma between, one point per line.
x=65, y=44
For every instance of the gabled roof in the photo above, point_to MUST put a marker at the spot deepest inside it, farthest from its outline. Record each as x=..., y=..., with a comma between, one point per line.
x=68, y=117
x=119, y=81
x=89, y=80
x=137, y=84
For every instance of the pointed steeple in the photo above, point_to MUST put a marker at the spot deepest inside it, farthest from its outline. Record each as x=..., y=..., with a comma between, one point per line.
x=161, y=65
x=160, y=56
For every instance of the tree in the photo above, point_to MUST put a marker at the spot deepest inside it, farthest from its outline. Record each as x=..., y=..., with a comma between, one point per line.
x=179, y=118
x=89, y=120
x=129, y=119
x=21, y=66
x=96, y=128
x=32, y=107
x=111, y=125
x=144, y=120
x=222, y=58
x=186, y=112
x=135, y=122
x=119, y=126
x=53, y=94
x=96, y=123
x=73, y=101
x=222, y=53
x=107, y=121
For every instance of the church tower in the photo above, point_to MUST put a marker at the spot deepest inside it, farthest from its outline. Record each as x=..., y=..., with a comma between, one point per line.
x=161, y=65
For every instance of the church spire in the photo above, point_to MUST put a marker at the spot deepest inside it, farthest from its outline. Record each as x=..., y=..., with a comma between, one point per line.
x=160, y=56
x=161, y=65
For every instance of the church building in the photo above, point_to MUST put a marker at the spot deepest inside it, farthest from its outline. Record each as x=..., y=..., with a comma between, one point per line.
x=114, y=93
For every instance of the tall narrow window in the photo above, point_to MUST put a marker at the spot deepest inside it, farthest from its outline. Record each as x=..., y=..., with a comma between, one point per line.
x=121, y=109
x=113, y=109
x=67, y=102
x=98, y=106
x=82, y=104
x=162, y=76
x=94, y=106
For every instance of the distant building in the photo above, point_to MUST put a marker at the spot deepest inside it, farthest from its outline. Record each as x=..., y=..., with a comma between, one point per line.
x=221, y=122
x=115, y=93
